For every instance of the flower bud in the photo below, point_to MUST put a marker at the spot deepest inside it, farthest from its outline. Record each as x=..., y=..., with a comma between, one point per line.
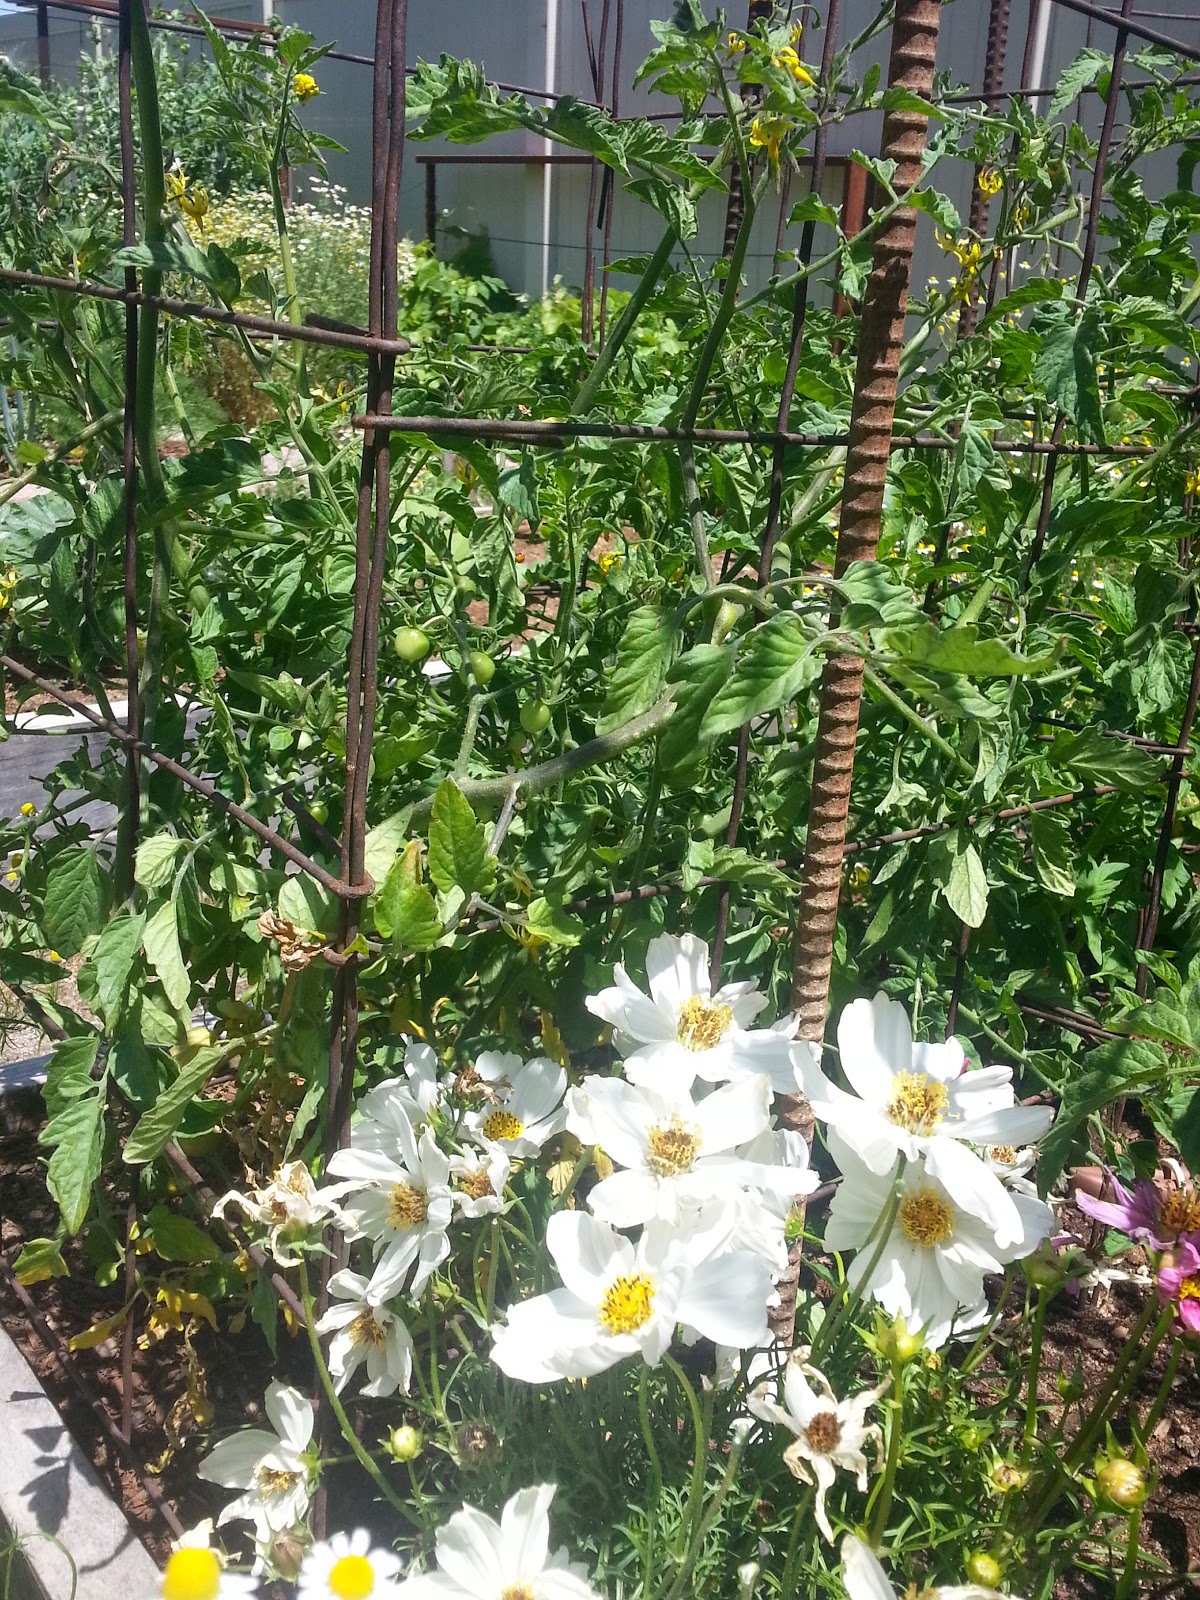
x=973, y=1436
x=1004, y=1477
x=895, y=1343
x=748, y=1575
x=1070, y=1385
x=404, y=1443
x=1122, y=1482
x=287, y=1552
x=983, y=1568
x=477, y=1446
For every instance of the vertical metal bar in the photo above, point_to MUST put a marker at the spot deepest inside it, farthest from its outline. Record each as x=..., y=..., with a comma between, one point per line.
x=597, y=62
x=881, y=338
x=431, y=206
x=43, y=39
x=1091, y=239
x=610, y=187
x=735, y=206
x=1024, y=85
x=775, y=490
x=128, y=824
x=995, y=52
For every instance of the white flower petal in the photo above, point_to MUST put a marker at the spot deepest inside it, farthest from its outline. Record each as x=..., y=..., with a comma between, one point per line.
x=862, y=1574
x=290, y=1413
x=875, y=1042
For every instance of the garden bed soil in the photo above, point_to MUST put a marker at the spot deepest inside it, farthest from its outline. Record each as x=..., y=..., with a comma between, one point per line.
x=1083, y=1331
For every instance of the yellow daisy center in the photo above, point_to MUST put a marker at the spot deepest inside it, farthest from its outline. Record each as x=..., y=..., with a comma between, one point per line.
x=1005, y=1154
x=518, y=1591
x=1189, y=1289
x=270, y=1481
x=824, y=1432
x=192, y=1575
x=671, y=1148
x=1180, y=1212
x=477, y=1184
x=352, y=1578
x=627, y=1303
x=366, y=1332
x=918, y=1102
x=702, y=1023
x=502, y=1125
x=407, y=1207
x=926, y=1218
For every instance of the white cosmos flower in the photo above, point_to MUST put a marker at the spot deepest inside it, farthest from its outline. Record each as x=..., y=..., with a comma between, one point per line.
x=865, y=1579
x=403, y=1202
x=271, y=1469
x=479, y=1177
x=682, y=1031
x=481, y=1559
x=937, y=1252
x=621, y=1299
x=365, y=1330
x=348, y=1567
x=917, y=1100
x=290, y=1206
x=829, y=1433
x=414, y=1097
x=675, y=1151
x=195, y=1572
x=526, y=1102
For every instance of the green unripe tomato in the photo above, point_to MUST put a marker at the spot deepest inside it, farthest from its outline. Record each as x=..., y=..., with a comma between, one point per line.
x=319, y=811
x=983, y=1568
x=535, y=714
x=411, y=644
x=483, y=668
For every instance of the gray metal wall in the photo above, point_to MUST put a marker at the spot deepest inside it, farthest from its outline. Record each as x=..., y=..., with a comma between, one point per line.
x=509, y=39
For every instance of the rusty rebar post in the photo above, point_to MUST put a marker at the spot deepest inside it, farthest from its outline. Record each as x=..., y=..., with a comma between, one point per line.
x=779, y=450
x=608, y=190
x=596, y=62
x=881, y=338
x=995, y=53
x=127, y=828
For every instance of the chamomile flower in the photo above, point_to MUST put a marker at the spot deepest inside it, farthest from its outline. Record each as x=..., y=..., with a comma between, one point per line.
x=681, y=1031
x=918, y=1100
x=478, y=1178
x=196, y=1572
x=619, y=1299
x=365, y=1330
x=290, y=1206
x=865, y=1579
x=829, y=1433
x=272, y=1469
x=525, y=1102
x=937, y=1251
x=479, y=1558
x=403, y=1202
x=348, y=1567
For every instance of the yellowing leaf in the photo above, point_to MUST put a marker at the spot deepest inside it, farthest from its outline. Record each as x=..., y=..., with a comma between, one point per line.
x=98, y=1332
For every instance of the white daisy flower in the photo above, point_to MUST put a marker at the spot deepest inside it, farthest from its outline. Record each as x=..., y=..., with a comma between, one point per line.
x=938, y=1252
x=271, y=1469
x=917, y=1100
x=675, y=1152
x=195, y=1572
x=621, y=1299
x=865, y=1579
x=478, y=1178
x=682, y=1031
x=526, y=1102
x=348, y=1567
x=403, y=1202
x=481, y=1559
x=829, y=1433
x=365, y=1330
x=415, y=1097
x=290, y=1206
x=760, y=1215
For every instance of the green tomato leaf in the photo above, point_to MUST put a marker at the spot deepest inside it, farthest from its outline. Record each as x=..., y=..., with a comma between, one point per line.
x=959, y=650
x=155, y=1129
x=552, y=923
x=774, y=662
x=76, y=1137
x=458, y=855
x=76, y=901
x=178, y=1238
x=966, y=888
x=113, y=960
x=1065, y=366
x=160, y=940
x=156, y=857
x=697, y=675
x=404, y=909
x=646, y=651
x=1052, y=852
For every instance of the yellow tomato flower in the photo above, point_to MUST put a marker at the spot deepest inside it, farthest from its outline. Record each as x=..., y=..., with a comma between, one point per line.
x=990, y=181
x=1191, y=484
x=608, y=562
x=768, y=133
x=734, y=43
x=304, y=86
x=788, y=61
x=28, y=809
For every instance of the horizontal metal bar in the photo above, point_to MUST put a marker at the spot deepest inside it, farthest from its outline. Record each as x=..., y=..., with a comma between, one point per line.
x=302, y=333
x=531, y=158
x=344, y=891
x=1134, y=28
x=533, y=432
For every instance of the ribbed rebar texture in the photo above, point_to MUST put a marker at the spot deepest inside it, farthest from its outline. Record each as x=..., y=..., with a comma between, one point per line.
x=881, y=337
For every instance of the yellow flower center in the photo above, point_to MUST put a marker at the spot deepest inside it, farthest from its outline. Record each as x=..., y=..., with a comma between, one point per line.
x=518, y=1591
x=271, y=1481
x=627, y=1303
x=918, y=1102
x=476, y=1184
x=1189, y=1289
x=367, y=1332
x=352, y=1578
x=502, y=1125
x=926, y=1218
x=671, y=1148
x=824, y=1432
x=702, y=1023
x=192, y=1575
x=1180, y=1212
x=1005, y=1154
x=407, y=1208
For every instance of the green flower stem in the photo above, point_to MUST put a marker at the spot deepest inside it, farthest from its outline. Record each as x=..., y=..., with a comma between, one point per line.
x=695, y=509
x=10, y=486
x=975, y=1353
x=926, y=729
x=435, y=1382
x=1035, y=1367
x=582, y=1163
x=883, y=1505
x=881, y=1232
x=787, y=1581
x=701, y=1424
x=655, y=1471
x=489, y=1305
x=361, y=1453
x=623, y=326
x=725, y=310
x=1125, y=1586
